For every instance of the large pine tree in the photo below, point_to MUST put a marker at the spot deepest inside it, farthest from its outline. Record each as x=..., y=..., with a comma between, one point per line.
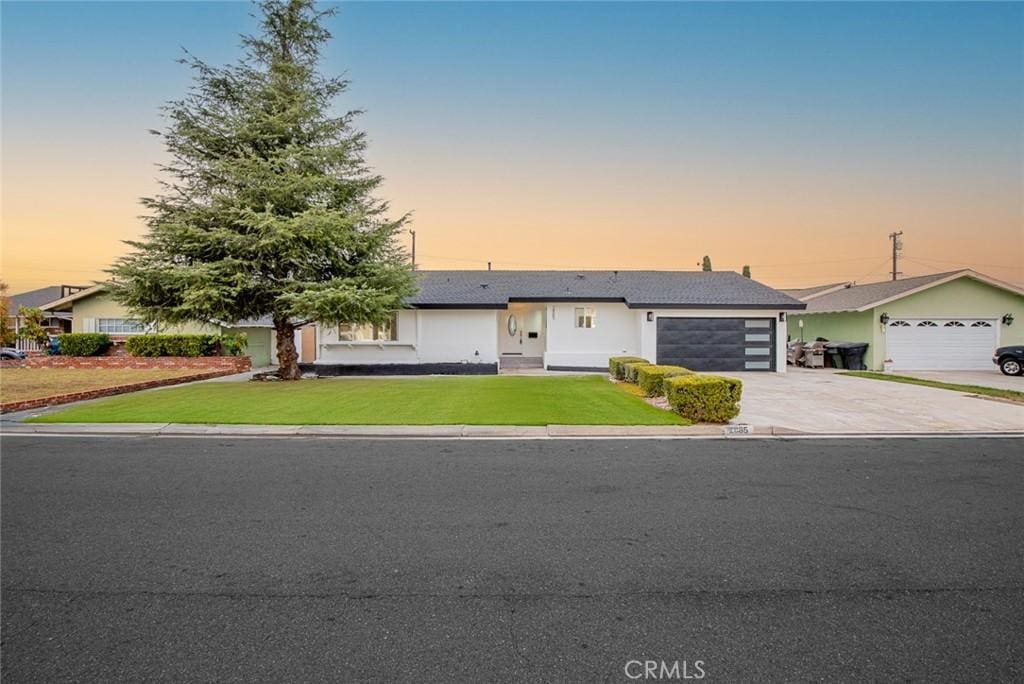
x=267, y=207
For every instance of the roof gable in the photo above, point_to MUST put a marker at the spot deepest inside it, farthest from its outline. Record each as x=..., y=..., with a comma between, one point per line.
x=870, y=295
x=74, y=297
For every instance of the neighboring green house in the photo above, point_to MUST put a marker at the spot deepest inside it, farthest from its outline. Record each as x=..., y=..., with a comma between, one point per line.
x=92, y=309
x=944, y=321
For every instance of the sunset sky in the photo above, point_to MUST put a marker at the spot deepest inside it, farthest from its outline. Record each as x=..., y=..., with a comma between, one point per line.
x=792, y=137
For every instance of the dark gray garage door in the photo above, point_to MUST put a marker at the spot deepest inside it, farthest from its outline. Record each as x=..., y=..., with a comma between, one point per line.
x=717, y=344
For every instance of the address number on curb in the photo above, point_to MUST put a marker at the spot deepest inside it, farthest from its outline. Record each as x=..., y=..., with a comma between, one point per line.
x=742, y=429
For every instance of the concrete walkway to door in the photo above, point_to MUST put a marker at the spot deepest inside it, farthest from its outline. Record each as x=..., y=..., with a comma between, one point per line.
x=825, y=401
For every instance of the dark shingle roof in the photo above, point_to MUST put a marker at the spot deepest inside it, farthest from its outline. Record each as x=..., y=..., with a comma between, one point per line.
x=803, y=293
x=35, y=298
x=859, y=296
x=666, y=289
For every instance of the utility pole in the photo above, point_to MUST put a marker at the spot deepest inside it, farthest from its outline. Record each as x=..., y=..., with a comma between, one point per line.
x=897, y=247
x=413, y=233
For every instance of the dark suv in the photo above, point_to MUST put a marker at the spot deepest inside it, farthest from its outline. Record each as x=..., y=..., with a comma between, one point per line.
x=1010, y=360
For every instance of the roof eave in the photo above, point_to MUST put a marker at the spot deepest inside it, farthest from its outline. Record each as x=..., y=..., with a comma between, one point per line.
x=799, y=306
x=71, y=298
x=966, y=273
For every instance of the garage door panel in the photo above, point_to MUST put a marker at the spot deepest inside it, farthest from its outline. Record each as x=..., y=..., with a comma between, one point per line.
x=701, y=351
x=716, y=344
x=940, y=344
x=690, y=325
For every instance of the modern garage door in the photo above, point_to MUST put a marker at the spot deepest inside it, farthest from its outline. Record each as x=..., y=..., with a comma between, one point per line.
x=940, y=343
x=717, y=344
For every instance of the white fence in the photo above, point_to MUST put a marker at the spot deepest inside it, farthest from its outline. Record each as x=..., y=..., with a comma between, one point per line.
x=28, y=345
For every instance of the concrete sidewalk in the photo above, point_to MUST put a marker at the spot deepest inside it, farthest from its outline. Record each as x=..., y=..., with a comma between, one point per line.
x=410, y=431
x=11, y=428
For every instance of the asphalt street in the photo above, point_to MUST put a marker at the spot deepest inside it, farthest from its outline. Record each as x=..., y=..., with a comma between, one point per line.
x=303, y=559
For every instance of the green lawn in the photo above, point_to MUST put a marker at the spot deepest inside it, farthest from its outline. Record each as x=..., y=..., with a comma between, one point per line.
x=479, y=400
x=1012, y=395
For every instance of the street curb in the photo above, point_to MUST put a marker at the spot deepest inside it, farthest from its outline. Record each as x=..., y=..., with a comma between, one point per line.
x=455, y=431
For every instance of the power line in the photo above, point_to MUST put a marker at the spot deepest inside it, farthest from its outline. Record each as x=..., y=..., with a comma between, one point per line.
x=619, y=267
x=966, y=263
x=813, y=263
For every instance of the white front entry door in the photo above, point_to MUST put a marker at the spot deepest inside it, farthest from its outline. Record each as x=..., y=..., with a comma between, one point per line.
x=521, y=330
x=940, y=343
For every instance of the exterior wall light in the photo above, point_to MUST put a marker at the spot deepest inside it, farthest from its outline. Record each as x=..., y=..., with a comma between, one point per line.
x=782, y=317
x=1008, y=319
x=650, y=316
x=884, y=319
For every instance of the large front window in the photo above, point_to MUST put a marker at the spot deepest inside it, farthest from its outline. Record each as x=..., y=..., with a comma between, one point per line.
x=120, y=326
x=366, y=332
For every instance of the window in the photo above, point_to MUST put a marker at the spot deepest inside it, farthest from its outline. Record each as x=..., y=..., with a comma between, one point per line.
x=585, y=317
x=120, y=326
x=981, y=324
x=899, y=324
x=367, y=332
x=927, y=324
x=953, y=324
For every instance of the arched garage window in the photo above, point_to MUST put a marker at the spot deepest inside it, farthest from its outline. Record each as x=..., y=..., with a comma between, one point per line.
x=927, y=324
x=899, y=324
x=981, y=324
x=953, y=324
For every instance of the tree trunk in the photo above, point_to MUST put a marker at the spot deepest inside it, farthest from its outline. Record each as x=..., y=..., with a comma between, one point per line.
x=287, y=357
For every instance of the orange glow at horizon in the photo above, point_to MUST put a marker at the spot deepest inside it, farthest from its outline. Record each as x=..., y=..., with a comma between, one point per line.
x=64, y=224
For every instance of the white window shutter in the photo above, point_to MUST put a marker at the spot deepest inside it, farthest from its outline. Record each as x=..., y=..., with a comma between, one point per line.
x=89, y=325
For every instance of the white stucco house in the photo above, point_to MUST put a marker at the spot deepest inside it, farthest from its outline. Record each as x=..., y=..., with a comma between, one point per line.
x=481, y=321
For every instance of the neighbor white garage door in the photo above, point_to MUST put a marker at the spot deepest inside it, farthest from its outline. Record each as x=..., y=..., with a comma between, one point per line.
x=940, y=343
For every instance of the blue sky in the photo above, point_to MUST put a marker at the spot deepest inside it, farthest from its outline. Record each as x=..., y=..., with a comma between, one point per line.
x=693, y=127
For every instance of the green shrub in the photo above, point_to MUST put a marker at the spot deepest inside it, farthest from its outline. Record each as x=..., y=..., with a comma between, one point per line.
x=173, y=345
x=233, y=345
x=615, y=364
x=83, y=344
x=650, y=378
x=630, y=368
x=704, y=398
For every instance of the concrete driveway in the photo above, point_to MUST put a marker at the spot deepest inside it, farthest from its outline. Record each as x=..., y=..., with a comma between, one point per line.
x=992, y=378
x=824, y=401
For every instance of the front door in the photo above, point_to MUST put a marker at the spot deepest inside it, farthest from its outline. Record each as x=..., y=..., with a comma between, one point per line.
x=521, y=330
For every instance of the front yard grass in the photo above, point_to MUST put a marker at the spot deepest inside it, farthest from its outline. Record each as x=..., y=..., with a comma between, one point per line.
x=1012, y=395
x=476, y=400
x=20, y=384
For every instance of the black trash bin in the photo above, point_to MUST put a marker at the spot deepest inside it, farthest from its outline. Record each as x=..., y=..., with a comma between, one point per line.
x=834, y=354
x=852, y=354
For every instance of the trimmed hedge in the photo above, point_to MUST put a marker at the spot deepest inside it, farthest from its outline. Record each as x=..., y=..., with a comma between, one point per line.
x=630, y=369
x=173, y=345
x=651, y=378
x=615, y=364
x=186, y=345
x=83, y=344
x=704, y=398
